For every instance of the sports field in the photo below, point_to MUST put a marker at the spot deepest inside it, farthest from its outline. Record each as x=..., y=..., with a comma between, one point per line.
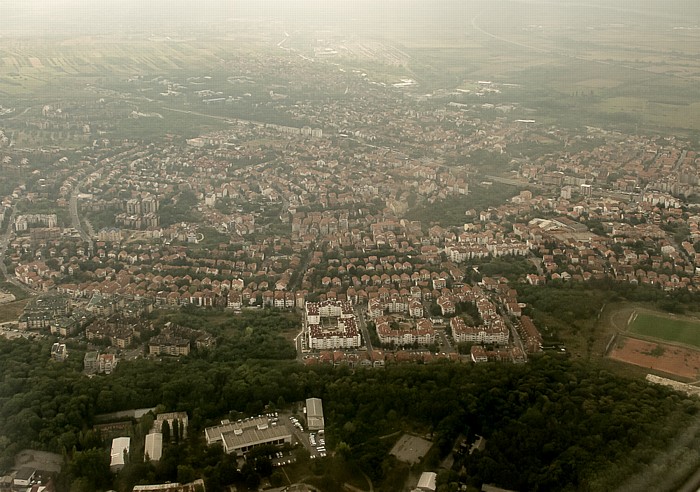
x=666, y=328
x=670, y=359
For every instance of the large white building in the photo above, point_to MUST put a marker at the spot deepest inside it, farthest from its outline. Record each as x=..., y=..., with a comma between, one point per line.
x=23, y=222
x=422, y=332
x=331, y=325
x=119, y=453
x=496, y=333
x=154, y=447
x=427, y=482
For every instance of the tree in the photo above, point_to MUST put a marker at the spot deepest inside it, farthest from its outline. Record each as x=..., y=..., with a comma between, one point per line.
x=176, y=431
x=91, y=470
x=185, y=474
x=277, y=479
x=165, y=429
x=263, y=466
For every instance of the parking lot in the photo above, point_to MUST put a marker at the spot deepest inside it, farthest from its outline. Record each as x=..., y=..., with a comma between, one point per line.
x=314, y=442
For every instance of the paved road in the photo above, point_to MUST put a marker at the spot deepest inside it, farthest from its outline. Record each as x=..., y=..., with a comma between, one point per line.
x=300, y=344
x=446, y=346
x=362, y=325
x=75, y=219
x=536, y=261
x=514, y=331
x=692, y=484
x=680, y=160
x=4, y=243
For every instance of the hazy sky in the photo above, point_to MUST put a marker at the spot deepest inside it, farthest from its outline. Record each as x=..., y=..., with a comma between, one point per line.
x=44, y=17
x=47, y=16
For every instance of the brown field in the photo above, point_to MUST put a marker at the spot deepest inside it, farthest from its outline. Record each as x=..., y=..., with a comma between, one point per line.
x=12, y=310
x=667, y=358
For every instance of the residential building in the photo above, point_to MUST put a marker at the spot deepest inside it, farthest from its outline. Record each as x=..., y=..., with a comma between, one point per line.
x=165, y=344
x=90, y=362
x=497, y=333
x=331, y=325
x=106, y=363
x=59, y=352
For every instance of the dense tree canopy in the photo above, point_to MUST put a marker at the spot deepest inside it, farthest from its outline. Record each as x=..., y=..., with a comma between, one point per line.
x=550, y=424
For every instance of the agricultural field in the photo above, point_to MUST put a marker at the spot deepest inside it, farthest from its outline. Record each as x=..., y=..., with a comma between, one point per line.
x=561, y=64
x=572, y=65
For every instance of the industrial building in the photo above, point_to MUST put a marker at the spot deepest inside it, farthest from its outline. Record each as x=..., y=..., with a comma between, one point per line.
x=314, y=414
x=242, y=436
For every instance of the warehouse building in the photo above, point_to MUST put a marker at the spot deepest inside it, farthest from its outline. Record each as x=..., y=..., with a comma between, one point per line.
x=314, y=414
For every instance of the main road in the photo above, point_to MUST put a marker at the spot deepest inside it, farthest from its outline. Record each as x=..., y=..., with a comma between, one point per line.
x=4, y=243
x=75, y=220
x=513, y=331
x=362, y=325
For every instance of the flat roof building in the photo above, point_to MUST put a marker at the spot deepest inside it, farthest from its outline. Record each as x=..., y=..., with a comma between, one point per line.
x=314, y=414
x=154, y=447
x=427, y=482
x=24, y=477
x=240, y=437
x=171, y=487
x=119, y=453
x=240, y=442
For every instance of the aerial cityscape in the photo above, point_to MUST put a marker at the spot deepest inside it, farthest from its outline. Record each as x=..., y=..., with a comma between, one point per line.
x=349, y=246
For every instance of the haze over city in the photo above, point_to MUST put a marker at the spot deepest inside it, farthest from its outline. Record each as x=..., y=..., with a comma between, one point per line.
x=309, y=245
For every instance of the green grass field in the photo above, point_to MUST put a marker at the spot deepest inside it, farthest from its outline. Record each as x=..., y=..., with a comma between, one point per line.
x=665, y=328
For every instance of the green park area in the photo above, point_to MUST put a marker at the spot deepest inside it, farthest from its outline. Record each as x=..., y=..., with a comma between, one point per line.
x=666, y=328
